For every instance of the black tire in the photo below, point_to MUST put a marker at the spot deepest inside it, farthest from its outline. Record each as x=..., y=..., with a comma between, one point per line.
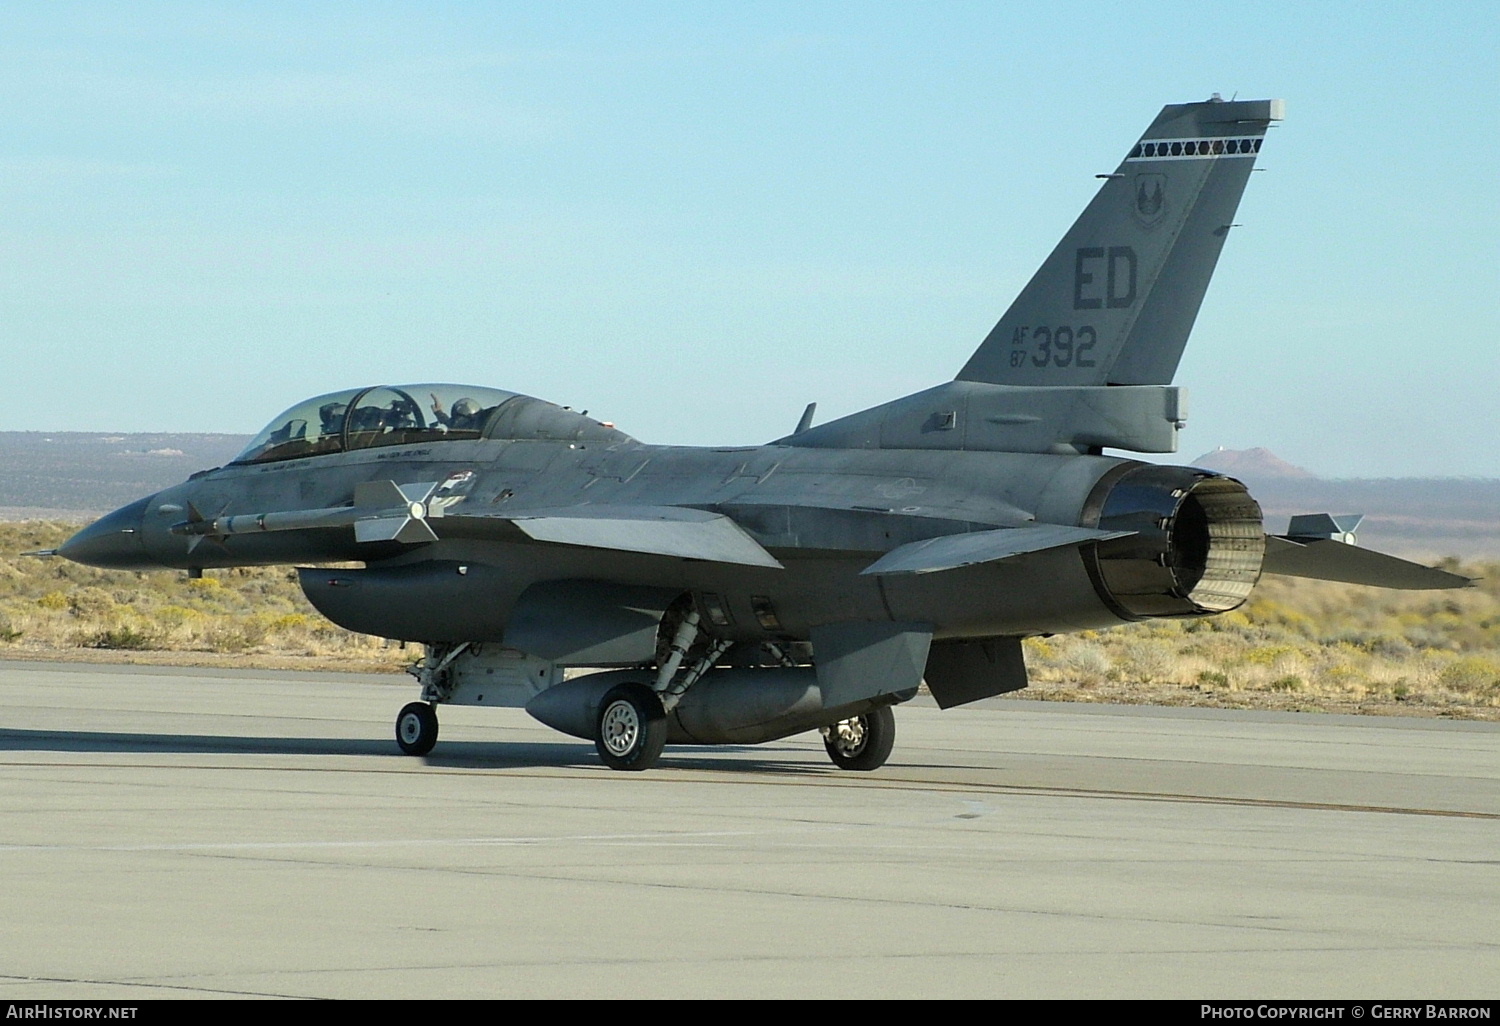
x=862, y=742
x=417, y=728
x=631, y=728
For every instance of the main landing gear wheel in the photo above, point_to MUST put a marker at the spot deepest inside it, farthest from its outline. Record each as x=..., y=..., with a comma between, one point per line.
x=862, y=742
x=632, y=727
x=417, y=728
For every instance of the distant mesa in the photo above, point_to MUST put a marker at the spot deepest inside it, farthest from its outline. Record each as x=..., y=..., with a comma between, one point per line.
x=1256, y=463
x=53, y=473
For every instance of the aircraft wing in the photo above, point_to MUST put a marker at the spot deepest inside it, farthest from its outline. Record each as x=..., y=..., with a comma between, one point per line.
x=955, y=550
x=1329, y=560
x=653, y=530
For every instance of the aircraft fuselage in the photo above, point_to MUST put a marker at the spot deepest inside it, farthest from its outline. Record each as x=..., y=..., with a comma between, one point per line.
x=826, y=515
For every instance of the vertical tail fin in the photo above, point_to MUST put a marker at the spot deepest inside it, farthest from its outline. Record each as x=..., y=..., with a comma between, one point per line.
x=1114, y=303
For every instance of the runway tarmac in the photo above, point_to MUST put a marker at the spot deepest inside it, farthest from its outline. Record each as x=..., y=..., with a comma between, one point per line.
x=219, y=833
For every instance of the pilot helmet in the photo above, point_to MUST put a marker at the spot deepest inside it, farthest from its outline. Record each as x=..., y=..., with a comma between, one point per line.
x=465, y=408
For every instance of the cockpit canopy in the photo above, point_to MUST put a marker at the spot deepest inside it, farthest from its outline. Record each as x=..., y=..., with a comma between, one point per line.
x=361, y=418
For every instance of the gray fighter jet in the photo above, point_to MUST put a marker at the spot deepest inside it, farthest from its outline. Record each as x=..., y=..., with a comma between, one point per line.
x=740, y=595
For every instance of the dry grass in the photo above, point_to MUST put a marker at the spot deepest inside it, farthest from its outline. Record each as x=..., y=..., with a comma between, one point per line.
x=256, y=616
x=1303, y=645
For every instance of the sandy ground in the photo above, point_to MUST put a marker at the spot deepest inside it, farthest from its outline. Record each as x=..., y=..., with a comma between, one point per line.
x=1112, y=693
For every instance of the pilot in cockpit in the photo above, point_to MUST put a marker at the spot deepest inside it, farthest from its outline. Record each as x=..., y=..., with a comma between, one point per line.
x=466, y=416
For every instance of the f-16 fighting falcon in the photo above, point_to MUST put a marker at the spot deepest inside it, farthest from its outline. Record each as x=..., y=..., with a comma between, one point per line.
x=740, y=595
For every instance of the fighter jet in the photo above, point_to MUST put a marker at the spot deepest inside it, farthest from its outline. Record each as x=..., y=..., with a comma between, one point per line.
x=640, y=595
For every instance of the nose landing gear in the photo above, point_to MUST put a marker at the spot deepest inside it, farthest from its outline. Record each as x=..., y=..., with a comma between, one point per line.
x=417, y=728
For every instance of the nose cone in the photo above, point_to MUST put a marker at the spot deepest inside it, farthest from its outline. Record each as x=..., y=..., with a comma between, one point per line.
x=113, y=541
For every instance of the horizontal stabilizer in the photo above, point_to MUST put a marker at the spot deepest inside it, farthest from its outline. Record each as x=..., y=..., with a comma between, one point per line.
x=955, y=550
x=1329, y=560
x=655, y=530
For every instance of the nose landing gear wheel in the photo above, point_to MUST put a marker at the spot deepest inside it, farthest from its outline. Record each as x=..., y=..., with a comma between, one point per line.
x=417, y=728
x=632, y=727
x=862, y=742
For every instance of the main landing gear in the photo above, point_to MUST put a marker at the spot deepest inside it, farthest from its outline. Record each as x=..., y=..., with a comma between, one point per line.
x=630, y=721
x=632, y=727
x=861, y=742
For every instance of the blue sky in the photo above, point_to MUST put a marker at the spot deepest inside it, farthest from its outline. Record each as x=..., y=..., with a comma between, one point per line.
x=694, y=218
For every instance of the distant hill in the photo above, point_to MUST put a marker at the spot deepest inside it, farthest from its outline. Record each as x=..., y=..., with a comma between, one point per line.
x=1430, y=517
x=1433, y=517
x=78, y=475
x=44, y=473
x=1256, y=463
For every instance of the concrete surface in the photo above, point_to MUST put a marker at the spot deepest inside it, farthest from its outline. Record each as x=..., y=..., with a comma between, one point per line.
x=206, y=833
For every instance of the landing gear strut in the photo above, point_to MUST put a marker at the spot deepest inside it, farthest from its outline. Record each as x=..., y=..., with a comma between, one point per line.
x=417, y=724
x=417, y=728
x=862, y=742
x=631, y=728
